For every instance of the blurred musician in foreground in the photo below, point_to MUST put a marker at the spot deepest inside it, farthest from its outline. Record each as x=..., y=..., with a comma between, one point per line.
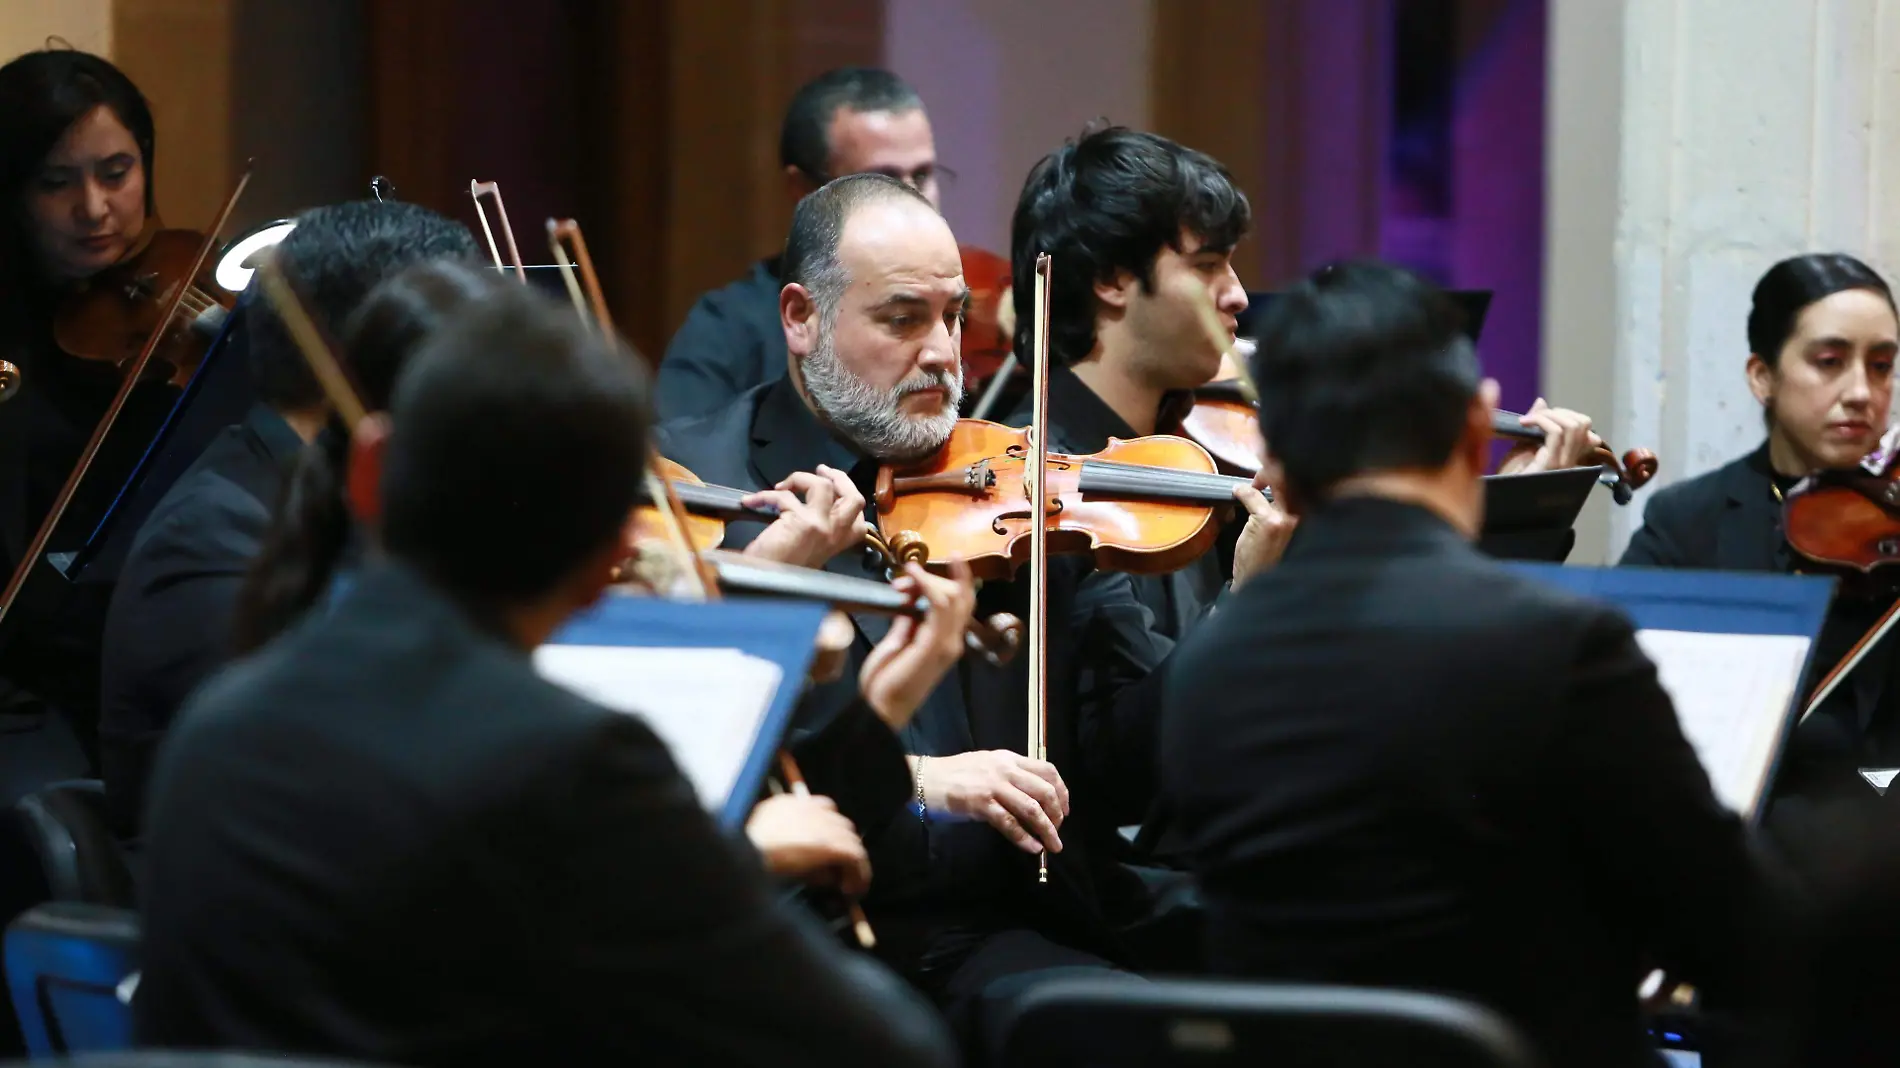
x=384, y=836
x=872, y=316
x=169, y=625
x=1398, y=763
x=1822, y=338
x=76, y=148
x=312, y=543
x=856, y=120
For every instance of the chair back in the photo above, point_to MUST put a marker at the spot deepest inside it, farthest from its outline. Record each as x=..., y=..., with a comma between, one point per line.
x=65, y=832
x=1107, y=1022
x=70, y=972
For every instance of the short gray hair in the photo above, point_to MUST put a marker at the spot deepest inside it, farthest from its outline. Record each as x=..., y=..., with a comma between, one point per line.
x=811, y=249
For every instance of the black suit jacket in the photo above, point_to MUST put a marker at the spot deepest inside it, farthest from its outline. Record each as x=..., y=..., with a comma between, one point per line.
x=936, y=877
x=169, y=623
x=730, y=342
x=385, y=837
x=1400, y=764
x=1730, y=519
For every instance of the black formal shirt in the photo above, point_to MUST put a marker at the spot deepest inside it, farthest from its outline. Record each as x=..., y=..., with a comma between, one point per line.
x=1730, y=519
x=385, y=837
x=169, y=625
x=1165, y=608
x=1400, y=764
x=942, y=882
x=730, y=342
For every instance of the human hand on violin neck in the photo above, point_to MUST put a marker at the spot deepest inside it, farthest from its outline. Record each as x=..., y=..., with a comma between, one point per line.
x=1269, y=527
x=820, y=514
x=1568, y=442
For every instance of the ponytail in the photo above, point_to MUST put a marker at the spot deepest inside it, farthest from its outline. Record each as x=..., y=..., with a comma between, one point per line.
x=308, y=533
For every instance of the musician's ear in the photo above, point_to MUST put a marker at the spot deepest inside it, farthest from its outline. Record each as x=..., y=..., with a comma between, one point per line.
x=363, y=485
x=798, y=314
x=1117, y=291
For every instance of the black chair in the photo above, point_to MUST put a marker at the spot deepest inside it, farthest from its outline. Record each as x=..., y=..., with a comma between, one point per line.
x=63, y=828
x=70, y=970
x=1106, y=1022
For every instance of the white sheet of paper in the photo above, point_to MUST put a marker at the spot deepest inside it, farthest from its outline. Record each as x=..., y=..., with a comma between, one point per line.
x=706, y=704
x=1731, y=693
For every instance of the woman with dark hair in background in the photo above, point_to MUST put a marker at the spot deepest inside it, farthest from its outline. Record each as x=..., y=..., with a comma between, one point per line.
x=1822, y=337
x=76, y=148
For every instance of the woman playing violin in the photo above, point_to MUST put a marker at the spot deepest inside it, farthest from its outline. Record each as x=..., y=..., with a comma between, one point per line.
x=1822, y=338
x=76, y=148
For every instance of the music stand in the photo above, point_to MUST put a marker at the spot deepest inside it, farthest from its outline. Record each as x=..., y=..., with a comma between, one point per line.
x=625, y=651
x=1530, y=517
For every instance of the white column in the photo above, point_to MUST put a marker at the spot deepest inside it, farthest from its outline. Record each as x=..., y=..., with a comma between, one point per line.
x=1692, y=143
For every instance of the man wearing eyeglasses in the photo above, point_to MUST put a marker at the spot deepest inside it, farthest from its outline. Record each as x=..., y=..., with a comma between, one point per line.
x=854, y=120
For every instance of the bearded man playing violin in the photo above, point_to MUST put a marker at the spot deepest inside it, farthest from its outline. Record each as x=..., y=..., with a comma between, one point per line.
x=872, y=313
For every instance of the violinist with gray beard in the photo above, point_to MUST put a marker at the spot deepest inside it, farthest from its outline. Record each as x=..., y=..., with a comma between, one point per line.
x=872, y=313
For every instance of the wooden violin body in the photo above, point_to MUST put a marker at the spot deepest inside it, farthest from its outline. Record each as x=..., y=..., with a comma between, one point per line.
x=1225, y=423
x=1848, y=520
x=988, y=321
x=1136, y=506
x=113, y=313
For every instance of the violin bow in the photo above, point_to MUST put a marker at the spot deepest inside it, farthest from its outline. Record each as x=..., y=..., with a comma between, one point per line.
x=570, y=251
x=476, y=191
x=1035, y=474
x=131, y=374
x=309, y=339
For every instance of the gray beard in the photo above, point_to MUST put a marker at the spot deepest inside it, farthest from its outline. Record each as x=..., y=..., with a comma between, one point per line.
x=870, y=417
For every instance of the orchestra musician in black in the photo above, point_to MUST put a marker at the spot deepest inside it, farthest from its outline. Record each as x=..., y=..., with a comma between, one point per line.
x=384, y=836
x=1398, y=763
x=872, y=313
x=77, y=143
x=1822, y=339
x=854, y=120
x=169, y=623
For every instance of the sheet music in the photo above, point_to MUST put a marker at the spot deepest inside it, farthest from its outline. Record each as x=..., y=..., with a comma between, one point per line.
x=1732, y=694
x=706, y=704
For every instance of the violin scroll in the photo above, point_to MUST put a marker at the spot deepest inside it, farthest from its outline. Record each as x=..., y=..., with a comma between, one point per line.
x=1639, y=466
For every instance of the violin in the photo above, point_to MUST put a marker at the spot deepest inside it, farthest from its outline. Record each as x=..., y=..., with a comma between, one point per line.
x=1146, y=506
x=1848, y=521
x=1225, y=421
x=989, y=325
x=167, y=305
x=110, y=316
